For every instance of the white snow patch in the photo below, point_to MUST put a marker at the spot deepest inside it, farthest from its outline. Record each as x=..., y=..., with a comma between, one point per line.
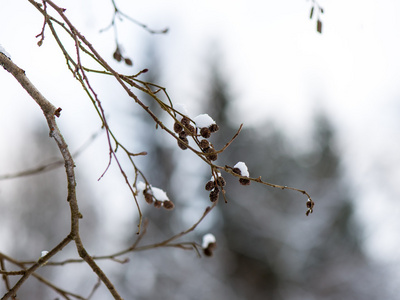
x=159, y=194
x=243, y=168
x=141, y=186
x=208, y=239
x=203, y=120
x=181, y=108
x=2, y=50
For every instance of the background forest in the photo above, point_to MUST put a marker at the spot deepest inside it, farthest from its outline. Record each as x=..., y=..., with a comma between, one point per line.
x=266, y=249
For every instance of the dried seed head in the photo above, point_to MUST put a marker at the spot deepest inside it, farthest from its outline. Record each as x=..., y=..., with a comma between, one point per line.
x=209, y=244
x=237, y=171
x=185, y=121
x=168, y=204
x=244, y=181
x=309, y=204
x=210, y=249
x=212, y=154
x=204, y=144
x=181, y=143
x=128, y=62
x=214, y=194
x=148, y=196
x=177, y=127
x=221, y=181
x=157, y=203
x=182, y=134
x=190, y=129
x=205, y=132
x=210, y=185
x=117, y=55
x=213, y=128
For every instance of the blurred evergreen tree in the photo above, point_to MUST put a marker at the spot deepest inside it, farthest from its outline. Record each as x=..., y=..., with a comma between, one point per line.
x=274, y=250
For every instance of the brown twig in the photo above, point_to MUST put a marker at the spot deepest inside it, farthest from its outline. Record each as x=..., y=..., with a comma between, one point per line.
x=49, y=111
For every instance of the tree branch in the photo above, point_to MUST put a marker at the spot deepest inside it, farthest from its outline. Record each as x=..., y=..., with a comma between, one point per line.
x=50, y=112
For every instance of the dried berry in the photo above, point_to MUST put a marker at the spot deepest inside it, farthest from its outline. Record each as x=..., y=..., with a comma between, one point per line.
x=244, y=181
x=185, y=121
x=117, y=55
x=181, y=143
x=157, y=203
x=213, y=128
x=204, y=144
x=177, y=127
x=212, y=154
x=128, y=62
x=237, y=171
x=168, y=204
x=205, y=132
x=182, y=134
x=210, y=248
x=190, y=129
x=210, y=185
x=221, y=181
x=148, y=196
x=214, y=194
x=309, y=204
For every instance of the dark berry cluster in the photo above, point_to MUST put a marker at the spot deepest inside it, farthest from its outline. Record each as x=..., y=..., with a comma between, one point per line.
x=205, y=145
x=243, y=181
x=215, y=186
x=183, y=129
x=117, y=55
x=149, y=197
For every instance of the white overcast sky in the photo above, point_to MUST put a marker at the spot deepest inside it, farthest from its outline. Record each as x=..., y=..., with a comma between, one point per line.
x=280, y=68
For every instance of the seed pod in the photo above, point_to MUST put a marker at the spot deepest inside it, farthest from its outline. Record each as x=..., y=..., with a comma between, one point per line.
x=244, y=181
x=117, y=55
x=128, y=62
x=182, y=134
x=208, y=251
x=204, y=144
x=221, y=181
x=181, y=143
x=212, y=155
x=319, y=26
x=214, y=194
x=168, y=204
x=157, y=203
x=237, y=171
x=177, y=127
x=205, y=132
x=213, y=127
x=185, y=121
x=148, y=196
x=190, y=129
x=210, y=185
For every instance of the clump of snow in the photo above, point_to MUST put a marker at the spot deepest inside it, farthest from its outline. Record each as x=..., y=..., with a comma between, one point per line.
x=203, y=120
x=43, y=253
x=2, y=50
x=218, y=175
x=208, y=239
x=243, y=168
x=141, y=186
x=181, y=108
x=159, y=194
